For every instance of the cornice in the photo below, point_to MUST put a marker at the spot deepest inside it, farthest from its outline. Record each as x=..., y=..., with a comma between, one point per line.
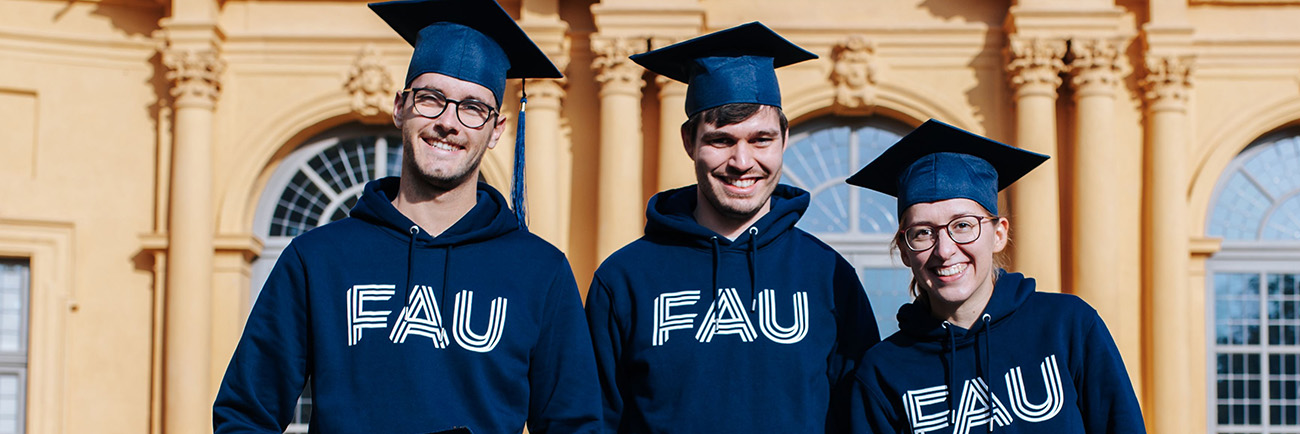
x=76, y=49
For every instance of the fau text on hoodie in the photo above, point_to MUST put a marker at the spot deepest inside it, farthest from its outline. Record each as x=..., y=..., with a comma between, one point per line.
x=1034, y=363
x=400, y=332
x=695, y=333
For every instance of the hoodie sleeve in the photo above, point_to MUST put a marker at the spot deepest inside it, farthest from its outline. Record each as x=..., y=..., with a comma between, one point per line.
x=562, y=374
x=270, y=364
x=856, y=332
x=607, y=338
x=1106, y=397
x=869, y=411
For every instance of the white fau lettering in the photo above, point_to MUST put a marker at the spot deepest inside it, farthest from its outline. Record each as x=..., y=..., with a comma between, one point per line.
x=974, y=409
x=421, y=316
x=727, y=315
x=358, y=317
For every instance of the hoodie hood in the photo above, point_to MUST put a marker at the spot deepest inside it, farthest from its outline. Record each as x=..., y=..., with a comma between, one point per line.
x=1009, y=293
x=670, y=218
x=490, y=218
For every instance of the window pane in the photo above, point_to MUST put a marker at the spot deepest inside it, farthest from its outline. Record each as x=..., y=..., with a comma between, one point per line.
x=13, y=307
x=887, y=290
x=1236, y=305
x=1238, y=379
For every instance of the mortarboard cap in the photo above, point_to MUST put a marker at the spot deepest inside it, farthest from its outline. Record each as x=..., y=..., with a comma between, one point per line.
x=937, y=161
x=470, y=40
x=736, y=65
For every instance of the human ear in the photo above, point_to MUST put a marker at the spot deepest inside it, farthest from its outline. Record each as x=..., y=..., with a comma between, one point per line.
x=497, y=129
x=1001, y=233
x=397, y=110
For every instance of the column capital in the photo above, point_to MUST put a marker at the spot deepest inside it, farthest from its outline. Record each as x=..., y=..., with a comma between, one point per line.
x=669, y=87
x=195, y=75
x=1035, y=64
x=854, y=73
x=547, y=93
x=370, y=85
x=1167, y=82
x=614, y=71
x=1095, y=65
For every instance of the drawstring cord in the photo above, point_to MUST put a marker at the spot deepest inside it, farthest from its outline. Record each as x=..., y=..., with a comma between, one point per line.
x=952, y=370
x=753, y=270
x=984, y=373
x=446, y=271
x=716, y=258
x=410, y=263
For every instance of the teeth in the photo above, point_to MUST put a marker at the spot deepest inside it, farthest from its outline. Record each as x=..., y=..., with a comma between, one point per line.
x=742, y=183
x=951, y=270
x=441, y=145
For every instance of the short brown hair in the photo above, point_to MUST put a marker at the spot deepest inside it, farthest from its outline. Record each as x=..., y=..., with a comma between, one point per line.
x=728, y=114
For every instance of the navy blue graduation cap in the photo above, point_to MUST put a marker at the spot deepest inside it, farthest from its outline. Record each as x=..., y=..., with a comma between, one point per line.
x=474, y=41
x=471, y=40
x=736, y=65
x=937, y=161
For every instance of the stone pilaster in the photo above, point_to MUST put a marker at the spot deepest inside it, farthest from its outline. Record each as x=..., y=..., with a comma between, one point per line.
x=1105, y=228
x=188, y=377
x=620, y=197
x=1034, y=67
x=1166, y=242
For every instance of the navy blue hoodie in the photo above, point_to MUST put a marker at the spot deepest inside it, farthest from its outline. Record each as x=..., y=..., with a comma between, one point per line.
x=1048, y=359
x=400, y=332
x=695, y=333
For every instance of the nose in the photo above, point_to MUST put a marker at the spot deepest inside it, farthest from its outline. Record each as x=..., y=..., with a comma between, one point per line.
x=446, y=124
x=944, y=246
x=742, y=156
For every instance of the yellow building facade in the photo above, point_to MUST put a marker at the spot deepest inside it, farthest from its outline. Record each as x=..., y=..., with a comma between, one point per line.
x=155, y=156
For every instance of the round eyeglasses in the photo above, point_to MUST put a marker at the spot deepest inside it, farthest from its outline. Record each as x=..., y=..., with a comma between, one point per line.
x=962, y=230
x=431, y=103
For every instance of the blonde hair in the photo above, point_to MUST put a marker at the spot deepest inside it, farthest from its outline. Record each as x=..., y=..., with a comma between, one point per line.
x=1000, y=259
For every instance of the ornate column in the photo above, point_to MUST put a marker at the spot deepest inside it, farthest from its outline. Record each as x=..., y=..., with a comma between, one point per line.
x=1034, y=68
x=194, y=71
x=675, y=167
x=546, y=154
x=1107, y=205
x=619, y=217
x=1166, y=241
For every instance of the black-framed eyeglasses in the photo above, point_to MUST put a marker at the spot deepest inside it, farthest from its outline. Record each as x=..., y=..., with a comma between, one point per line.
x=431, y=103
x=962, y=230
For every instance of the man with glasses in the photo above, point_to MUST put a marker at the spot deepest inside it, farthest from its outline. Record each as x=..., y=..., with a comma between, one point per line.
x=430, y=307
x=725, y=317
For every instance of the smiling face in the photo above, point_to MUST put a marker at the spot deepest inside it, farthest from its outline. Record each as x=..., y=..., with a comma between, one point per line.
x=737, y=166
x=442, y=152
x=955, y=277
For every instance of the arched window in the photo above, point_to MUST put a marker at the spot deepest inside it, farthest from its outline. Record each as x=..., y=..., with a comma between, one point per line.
x=316, y=184
x=857, y=222
x=1254, y=290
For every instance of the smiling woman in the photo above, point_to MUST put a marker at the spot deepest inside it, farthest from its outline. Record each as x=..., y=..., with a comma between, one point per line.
x=945, y=367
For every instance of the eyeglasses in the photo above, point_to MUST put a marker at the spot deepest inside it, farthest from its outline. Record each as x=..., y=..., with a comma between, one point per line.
x=431, y=103
x=963, y=230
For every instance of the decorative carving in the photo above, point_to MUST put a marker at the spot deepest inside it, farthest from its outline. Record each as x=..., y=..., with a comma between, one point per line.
x=370, y=84
x=1168, y=79
x=612, y=66
x=1035, y=62
x=854, y=74
x=1095, y=64
x=195, y=74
